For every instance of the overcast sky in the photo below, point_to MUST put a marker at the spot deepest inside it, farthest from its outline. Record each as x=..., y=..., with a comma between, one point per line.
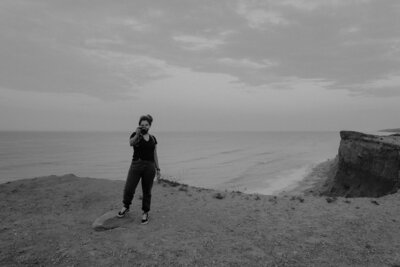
x=200, y=65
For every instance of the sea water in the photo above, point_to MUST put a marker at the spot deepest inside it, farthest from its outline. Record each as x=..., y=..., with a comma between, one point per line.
x=252, y=162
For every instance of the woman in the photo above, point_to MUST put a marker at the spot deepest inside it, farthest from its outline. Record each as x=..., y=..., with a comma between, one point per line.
x=144, y=166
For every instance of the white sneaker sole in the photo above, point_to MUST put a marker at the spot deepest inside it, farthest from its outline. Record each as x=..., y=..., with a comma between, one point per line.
x=146, y=222
x=123, y=215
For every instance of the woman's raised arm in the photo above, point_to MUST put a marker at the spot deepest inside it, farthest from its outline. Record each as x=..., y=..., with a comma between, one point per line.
x=136, y=138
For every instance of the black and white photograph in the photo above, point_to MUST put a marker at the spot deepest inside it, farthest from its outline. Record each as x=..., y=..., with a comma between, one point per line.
x=200, y=133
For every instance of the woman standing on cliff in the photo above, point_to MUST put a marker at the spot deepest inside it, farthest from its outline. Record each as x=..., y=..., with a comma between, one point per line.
x=144, y=166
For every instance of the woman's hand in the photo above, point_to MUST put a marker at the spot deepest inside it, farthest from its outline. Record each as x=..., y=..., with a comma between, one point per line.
x=136, y=138
x=158, y=174
x=139, y=130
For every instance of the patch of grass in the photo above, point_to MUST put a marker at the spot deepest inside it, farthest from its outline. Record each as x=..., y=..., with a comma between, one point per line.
x=219, y=195
x=183, y=188
x=299, y=198
x=331, y=199
x=170, y=182
x=273, y=199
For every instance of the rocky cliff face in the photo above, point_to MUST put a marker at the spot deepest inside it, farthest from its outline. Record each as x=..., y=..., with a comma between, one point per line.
x=368, y=166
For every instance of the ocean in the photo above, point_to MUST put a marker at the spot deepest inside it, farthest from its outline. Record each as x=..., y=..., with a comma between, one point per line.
x=251, y=162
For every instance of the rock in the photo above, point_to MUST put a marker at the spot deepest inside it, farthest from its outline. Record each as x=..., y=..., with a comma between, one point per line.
x=218, y=195
x=331, y=199
x=375, y=202
x=368, y=166
x=110, y=220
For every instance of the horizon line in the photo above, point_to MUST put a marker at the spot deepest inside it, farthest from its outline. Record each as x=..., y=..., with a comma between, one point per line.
x=184, y=131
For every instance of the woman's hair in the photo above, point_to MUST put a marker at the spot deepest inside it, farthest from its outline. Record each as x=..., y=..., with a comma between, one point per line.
x=147, y=118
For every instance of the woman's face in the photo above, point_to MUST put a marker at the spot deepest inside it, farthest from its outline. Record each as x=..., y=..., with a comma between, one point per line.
x=145, y=124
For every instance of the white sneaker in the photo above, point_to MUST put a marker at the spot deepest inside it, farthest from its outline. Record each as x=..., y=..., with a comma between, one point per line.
x=145, y=218
x=123, y=212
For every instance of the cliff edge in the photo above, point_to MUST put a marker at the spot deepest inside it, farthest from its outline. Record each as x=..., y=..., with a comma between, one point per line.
x=46, y=221
x=395, y=130
x=368, y=166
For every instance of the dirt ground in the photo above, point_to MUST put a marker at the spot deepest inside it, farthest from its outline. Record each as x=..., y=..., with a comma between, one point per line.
x=47, y=222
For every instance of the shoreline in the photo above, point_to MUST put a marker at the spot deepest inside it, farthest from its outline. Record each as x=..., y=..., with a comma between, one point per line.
x=309, y=176
x=315, y=179
x=47, y=221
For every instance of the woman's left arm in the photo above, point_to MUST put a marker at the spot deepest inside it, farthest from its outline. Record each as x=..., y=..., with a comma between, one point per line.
x=158, y=175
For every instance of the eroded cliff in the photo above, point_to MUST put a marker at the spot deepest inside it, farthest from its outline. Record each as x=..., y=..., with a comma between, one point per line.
x=368, y=166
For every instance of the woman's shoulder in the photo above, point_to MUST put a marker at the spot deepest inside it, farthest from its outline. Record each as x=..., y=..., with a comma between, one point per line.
x=154, y=138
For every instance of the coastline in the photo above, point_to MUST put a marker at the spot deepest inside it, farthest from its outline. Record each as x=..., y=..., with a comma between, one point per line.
x=47, y=221
x=214, y=160
x=315, y=181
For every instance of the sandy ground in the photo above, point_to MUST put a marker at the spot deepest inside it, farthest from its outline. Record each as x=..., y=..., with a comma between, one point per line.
x=47, y=222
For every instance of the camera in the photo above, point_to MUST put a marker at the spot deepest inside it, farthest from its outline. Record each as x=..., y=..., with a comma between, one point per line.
x=143, y=130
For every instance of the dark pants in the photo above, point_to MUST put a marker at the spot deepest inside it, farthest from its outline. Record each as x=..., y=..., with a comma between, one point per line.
x=140, y=169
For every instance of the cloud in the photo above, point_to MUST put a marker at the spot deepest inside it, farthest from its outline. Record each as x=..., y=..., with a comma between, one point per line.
x=47, y=53
x=245, y=63
x=259, y=18
x=111, y=49
x=130, y=23
x=102, y=42
x=343, y=43
x=350, y=30
x=103, y=74
x=196, y=43
x=312, y=5
x=387, y=86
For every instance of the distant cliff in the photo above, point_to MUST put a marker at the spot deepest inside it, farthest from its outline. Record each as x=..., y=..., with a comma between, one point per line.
x=397, y=130
x=368, y=166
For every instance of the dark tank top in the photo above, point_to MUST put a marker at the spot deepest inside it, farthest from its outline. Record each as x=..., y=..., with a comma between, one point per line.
x=144, y=150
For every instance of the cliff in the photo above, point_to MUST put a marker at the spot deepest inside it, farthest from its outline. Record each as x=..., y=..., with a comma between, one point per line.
x=46, y=221
x=368, y=166
x=396, y=130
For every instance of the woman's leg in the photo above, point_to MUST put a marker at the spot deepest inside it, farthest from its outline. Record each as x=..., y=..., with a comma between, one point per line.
x=131, y=183
x=147, y=184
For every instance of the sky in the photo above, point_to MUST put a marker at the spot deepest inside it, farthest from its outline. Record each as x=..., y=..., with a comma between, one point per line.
x=200, y=65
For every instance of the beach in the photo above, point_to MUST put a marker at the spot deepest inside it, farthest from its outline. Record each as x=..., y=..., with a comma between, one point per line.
x=47, y=221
